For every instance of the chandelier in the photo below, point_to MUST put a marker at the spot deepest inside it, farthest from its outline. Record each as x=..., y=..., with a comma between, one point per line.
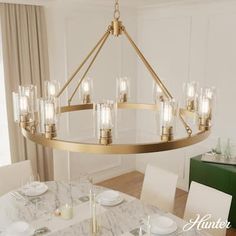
x=38, y=118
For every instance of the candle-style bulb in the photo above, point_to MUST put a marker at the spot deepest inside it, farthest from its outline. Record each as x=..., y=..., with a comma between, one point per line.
x=86, y=90
x=167, y=118
x=123, y=89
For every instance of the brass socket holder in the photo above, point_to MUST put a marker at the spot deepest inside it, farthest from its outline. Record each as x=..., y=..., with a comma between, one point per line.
x=50, y=131
x=167, y=134
x=124, y=97
x=24, y=121
x=116, y=27
x=86, y=99
x=105, y=136
x=204, y=124
x=191, y=106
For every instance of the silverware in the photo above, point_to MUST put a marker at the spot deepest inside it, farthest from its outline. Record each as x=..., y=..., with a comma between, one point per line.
x=41, y=231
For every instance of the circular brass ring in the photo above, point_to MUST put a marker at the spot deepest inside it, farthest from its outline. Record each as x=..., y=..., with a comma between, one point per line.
x=96, y=148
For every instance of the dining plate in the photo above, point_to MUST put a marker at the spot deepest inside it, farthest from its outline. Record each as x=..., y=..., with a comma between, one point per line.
x=34, y=189
x=162, y=225
x=109, y=198
x=19, y=228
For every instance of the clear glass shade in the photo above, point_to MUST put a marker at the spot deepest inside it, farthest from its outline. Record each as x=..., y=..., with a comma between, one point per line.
x=158, y=95
x=47, y=113
x=86, y=90
x=105, y=116
x=25, y=102
x=51, y=88
x=190, y=93
x=123, y=89
x=168, y=111
x=205, y=103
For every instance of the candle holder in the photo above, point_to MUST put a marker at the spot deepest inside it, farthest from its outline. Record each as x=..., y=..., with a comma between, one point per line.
x=167, y=134
x=105, y=136
x=204, y=123
x=24, y=121
x=50, y=131
x=86, y=99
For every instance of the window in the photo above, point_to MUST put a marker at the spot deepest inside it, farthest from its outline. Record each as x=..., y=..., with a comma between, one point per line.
x=5, y=156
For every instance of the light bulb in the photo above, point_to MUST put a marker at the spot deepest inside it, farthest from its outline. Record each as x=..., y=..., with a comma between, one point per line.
x=49, y=112
x=24, y=106
x=86, y=87
x=204, y=106
x=123, y=86
x=167, y=114
x=106, y=120
x=191, y=91
x=51, y=90
x=158, y=89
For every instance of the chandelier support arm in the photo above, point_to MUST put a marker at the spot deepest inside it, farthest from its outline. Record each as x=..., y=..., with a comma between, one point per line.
x=82, y=64
x=90, y=65
x=186, y=126
x=148, y=66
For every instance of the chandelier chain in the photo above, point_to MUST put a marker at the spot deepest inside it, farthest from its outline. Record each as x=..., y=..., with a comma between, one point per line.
x=117, y=10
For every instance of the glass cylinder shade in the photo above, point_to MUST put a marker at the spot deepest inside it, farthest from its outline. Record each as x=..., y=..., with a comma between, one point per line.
x=16, y=108
x=27, y=102
x=105, y=121
x=158, y=95
x=86, y=91
x=205, y=103
x=48, y=116
x=168, y=110
x=123, y=89
x=190, y=93
x=51, y=88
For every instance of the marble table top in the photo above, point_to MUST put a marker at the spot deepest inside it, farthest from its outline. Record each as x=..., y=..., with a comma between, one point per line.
x=120, y=220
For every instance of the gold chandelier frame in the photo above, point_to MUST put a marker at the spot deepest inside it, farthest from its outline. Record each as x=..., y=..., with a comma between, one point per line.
x=116, y=28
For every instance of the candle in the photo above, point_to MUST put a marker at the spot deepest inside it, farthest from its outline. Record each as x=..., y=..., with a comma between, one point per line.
x=67, y=212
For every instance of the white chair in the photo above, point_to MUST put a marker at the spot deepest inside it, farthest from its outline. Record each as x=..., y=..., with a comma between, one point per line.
x=205, y=200
x=159, y=188
x=13, y=176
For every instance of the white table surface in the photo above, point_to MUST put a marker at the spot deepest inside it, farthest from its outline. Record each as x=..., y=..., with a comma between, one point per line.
x=114, y=221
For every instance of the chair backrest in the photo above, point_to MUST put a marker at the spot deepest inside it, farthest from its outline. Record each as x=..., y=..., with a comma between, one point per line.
x=204, y=200
x=14, y=175
x=159, y=188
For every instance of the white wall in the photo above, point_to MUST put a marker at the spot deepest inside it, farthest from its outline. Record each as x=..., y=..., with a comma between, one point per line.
x=189, y=41
x=183, y=40
x=73, y=29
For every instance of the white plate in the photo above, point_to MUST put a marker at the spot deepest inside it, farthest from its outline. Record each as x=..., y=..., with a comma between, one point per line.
x=162, y=225
x=109, y=198
x=109, y=195
x=19, y=228
x=34, y=189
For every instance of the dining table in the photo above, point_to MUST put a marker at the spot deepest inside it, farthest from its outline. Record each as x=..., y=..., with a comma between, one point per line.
x=123, y=219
